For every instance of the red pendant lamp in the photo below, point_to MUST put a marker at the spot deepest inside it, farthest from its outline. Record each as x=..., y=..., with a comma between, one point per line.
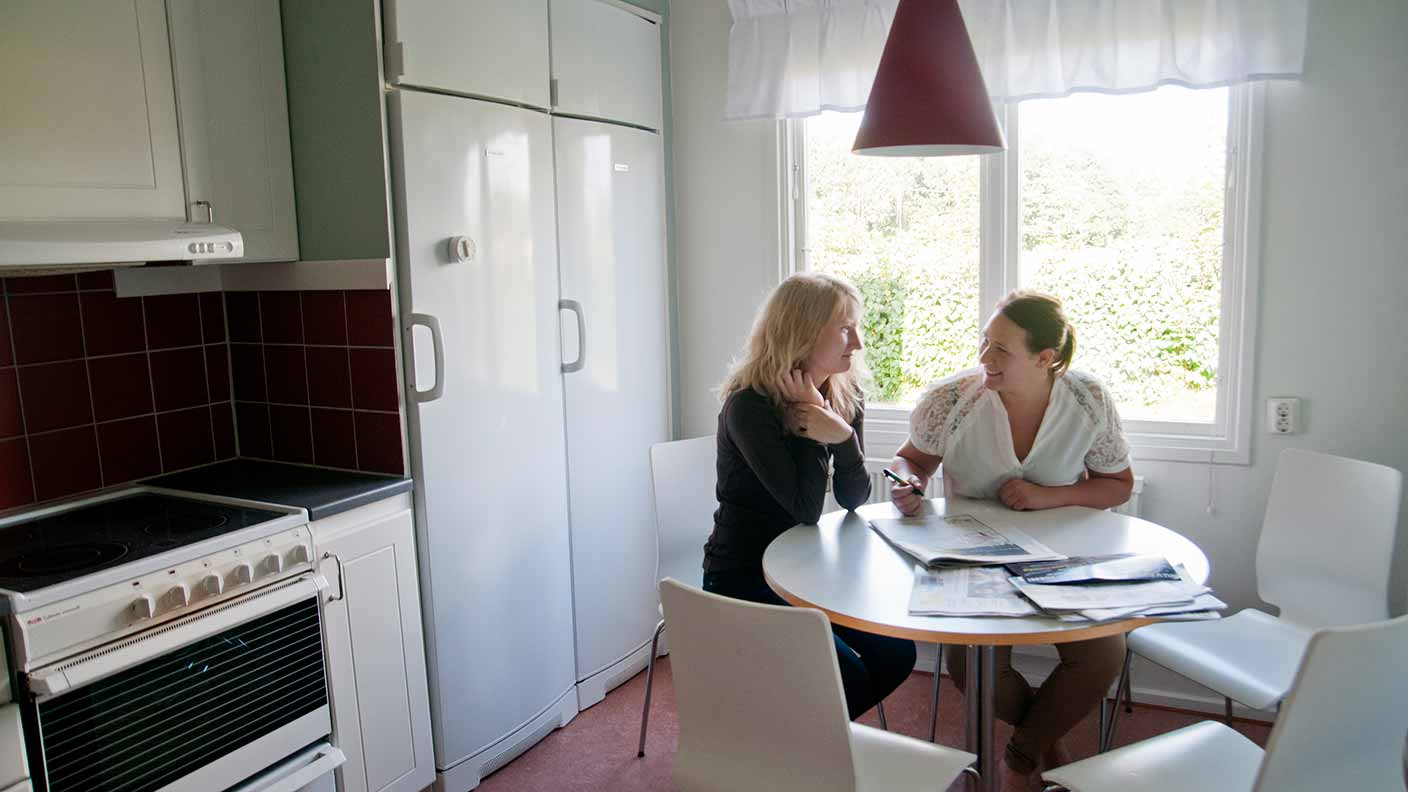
x=928, y=99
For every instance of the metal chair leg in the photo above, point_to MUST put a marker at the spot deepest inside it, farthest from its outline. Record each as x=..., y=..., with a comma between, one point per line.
x=880, y=711
x=938, y=665
x=649, y=683
x=1107, y=735
x=1227, y=710
x=1128, y=694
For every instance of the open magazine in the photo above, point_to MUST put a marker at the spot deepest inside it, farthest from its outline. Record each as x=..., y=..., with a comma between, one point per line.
x=937, y=539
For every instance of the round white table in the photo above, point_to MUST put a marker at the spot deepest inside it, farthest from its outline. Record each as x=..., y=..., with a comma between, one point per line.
x=844, y=568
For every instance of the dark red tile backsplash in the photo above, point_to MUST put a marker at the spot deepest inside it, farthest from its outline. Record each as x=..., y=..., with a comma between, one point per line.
x=315, y=378
x=97, y=390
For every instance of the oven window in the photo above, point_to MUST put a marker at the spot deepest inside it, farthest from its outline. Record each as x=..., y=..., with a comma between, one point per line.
x=149, y=725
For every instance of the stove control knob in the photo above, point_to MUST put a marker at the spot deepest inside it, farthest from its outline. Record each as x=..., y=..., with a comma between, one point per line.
x=214, y=585
x=299, y=555
x=179, y=596
x=144, y=607
x=244, y=573
x=273, y=564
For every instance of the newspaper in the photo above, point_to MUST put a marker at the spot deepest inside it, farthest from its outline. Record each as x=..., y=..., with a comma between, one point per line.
x=1135, y=597
x=1096, y=569
x=959, y=538
x=1204, y=605
x=966, y=591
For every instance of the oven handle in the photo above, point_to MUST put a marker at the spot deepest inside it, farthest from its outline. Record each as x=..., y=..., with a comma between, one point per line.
x=120, y=655
x=297, y=771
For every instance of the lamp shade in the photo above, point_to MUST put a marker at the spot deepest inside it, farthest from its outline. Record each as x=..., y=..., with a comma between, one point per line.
x=928, y=98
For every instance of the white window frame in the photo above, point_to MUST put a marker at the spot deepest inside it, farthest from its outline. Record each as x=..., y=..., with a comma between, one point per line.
x=1227, y=440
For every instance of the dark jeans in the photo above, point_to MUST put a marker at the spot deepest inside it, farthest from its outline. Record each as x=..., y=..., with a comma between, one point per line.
x=872, y=666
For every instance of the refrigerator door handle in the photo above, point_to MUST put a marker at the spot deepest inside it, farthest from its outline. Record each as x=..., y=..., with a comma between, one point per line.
x=438, y=346
x=576, y=308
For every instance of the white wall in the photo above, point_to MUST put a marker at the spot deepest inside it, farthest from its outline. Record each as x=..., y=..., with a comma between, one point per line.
x=725, y=210
x=1334, y=291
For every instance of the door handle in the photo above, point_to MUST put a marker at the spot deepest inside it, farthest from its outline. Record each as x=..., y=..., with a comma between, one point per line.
x=576, y=308
x=438, y=347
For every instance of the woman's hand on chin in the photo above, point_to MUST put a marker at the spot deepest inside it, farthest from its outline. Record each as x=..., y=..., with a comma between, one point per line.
x=818, y=423
x=1022, y=495
x=798, y=387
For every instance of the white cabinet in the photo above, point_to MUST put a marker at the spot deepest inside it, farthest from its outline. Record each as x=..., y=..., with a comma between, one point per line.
x=229, y=68
x=376, y=657
x=490, y=48
x=606, y=63
x=89, y=116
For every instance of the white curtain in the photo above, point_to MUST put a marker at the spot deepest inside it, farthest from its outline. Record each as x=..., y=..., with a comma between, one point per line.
x=791, y=58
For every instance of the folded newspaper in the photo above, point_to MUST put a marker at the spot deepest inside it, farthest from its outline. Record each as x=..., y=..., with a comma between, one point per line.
x=937, y=539
x=966, y=591
x=1096, y=569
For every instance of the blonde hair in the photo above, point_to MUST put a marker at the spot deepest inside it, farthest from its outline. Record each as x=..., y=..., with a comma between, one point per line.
x=1046, y=325
x=784, y=335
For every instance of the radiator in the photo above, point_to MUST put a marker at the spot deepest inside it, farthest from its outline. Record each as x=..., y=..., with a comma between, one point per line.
x=880, y=491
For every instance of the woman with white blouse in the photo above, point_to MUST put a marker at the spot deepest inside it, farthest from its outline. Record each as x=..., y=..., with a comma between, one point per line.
x=1027, y=430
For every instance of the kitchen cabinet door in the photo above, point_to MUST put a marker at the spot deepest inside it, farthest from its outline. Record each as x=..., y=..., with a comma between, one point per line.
x=490, y=48
x=376, y=658
x=89, y=119
x=605, y=63
x=233, y=108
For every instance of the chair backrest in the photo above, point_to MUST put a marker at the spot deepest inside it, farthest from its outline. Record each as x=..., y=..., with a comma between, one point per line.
x=1343, y=724
x=683, y=473
x=1327, y=539
x=759, y=696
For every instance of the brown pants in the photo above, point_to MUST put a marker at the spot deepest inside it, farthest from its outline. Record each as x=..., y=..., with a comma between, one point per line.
x=1041, y=717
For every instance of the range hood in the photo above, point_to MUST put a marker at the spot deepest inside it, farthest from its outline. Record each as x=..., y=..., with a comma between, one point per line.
x=56, y=245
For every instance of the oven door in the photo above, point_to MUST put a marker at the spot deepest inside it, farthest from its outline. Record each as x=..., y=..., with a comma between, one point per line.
x=234, y=693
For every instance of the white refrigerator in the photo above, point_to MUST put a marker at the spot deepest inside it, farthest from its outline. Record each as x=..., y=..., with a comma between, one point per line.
x=531, y=276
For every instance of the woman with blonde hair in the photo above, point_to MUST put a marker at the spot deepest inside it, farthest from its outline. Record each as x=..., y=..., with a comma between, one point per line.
x=792, y=411
x=1026, y=429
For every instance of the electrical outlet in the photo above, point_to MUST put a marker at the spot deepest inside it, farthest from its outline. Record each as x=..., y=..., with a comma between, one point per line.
x=1282, y=415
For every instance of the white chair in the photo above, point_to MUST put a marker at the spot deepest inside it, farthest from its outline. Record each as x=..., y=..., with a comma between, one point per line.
x=1323, y=559
x=761, y=706
x=682, y=474
x=1342, y=729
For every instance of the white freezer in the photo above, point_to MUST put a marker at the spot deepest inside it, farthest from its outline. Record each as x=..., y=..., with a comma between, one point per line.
x=611, y=243
x=488, y=453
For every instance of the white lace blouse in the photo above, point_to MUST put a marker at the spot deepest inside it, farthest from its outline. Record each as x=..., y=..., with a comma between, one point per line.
x=966, y=424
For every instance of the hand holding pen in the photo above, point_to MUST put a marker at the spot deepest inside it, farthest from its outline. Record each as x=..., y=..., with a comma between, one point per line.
x=907, y=494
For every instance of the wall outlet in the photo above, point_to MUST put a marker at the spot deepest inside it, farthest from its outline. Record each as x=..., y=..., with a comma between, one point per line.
x=1282, y=415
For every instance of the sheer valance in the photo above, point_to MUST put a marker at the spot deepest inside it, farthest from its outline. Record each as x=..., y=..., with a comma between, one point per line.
x=790, y=58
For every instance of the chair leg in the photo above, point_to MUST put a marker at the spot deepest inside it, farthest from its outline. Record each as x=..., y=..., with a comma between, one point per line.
x=1227, y=710
x=938, y=666
x=1128, y=694
x=880, y=712
x=1107, y=735
x=649, y=683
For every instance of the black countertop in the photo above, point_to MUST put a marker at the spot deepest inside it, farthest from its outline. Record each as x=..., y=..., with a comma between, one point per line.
x=322, y=491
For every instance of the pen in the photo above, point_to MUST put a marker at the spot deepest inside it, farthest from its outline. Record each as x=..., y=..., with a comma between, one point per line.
x=895, y=477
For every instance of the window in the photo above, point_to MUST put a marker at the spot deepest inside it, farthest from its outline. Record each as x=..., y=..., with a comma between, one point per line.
x=1131, y=208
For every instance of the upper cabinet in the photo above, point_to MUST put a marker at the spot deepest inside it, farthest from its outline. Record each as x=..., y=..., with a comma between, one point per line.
x=606, y=63
x=491, y=48
x=229, y=67
x=141, y=109
x=88, y=129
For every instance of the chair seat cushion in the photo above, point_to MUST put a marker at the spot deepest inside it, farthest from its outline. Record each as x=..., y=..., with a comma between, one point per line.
x=887, y=761
x=1204, y=756
x=1249, y=657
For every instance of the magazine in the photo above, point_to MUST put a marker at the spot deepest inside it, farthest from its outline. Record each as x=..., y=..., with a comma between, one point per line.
x=937, y=539
x=966, y=591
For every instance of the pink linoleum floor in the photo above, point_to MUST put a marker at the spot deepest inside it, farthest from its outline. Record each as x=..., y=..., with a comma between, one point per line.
x=596, y=752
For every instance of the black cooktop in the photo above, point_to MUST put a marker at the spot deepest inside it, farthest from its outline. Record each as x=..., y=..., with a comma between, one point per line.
x=71, y=544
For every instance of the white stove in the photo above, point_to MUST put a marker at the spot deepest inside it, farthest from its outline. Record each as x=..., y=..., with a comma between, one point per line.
x=166, y=641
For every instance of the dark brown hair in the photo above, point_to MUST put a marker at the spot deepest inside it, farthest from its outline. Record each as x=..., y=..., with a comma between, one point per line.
x=1046, y=325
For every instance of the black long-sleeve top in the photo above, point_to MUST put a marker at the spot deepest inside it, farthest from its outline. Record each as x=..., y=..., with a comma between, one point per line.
x=770, y=480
